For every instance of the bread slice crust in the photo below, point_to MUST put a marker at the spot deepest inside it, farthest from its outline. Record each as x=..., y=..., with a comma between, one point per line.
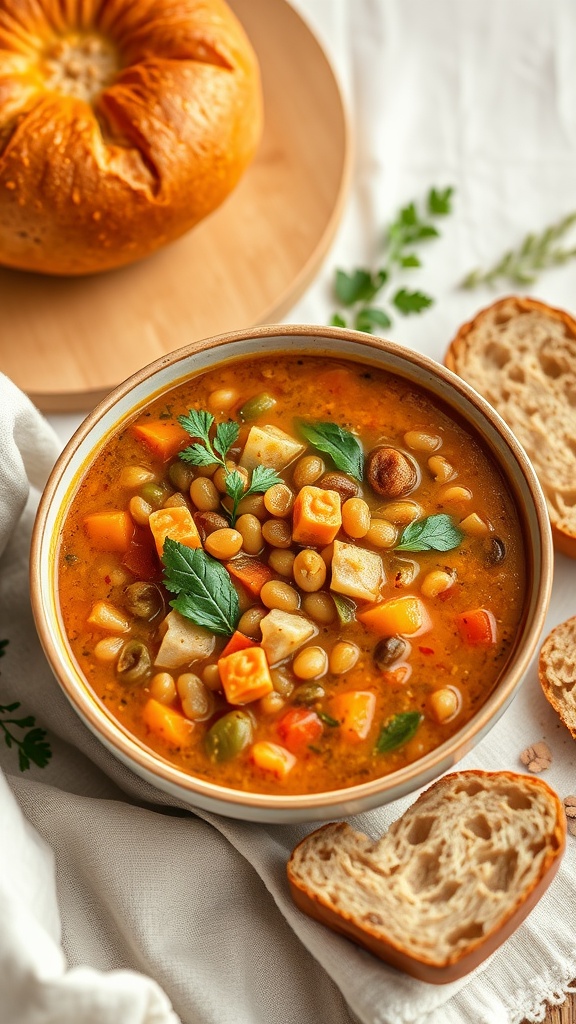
x=520, y=354
x=557, y=671
x=380, y=936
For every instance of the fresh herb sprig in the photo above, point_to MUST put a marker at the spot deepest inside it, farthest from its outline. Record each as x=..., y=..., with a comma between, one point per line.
x=536, y=252
x=207, y=452
x=343, y=447
x=434, y=533
x=357, y=290
x=205, y=593
x=397, y=731
x=32, y=746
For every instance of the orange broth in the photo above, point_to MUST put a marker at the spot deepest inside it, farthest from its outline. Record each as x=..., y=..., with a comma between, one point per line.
x=486, y=572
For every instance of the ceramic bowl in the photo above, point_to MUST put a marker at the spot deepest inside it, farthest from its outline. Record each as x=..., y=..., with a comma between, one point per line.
x=163, y=374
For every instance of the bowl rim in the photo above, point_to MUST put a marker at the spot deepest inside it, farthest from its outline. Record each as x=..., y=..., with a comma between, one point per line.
x=278, y=807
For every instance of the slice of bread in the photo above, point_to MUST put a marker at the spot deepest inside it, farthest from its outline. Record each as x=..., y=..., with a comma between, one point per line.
x=520, y=355
x=557, y=671
x=451, y=879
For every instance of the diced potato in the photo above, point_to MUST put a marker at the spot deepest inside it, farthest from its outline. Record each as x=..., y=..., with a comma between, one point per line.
x=356, y=572
x=107, y=616
x=271, y=447
x=183, y=642
x=283, y=633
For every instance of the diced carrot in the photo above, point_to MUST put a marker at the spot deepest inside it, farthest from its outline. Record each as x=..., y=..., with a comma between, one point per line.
x=250, y=572
x=316, y=517
x=169, y=725
x=176, y=523
x=400, y=615
x=109, y=531
x=271, y=757
x=355, y=711
x=237, y=642
x=164, y=437
x=478, y=627
x=245, y=676
x=107, y=616
x=299, y=727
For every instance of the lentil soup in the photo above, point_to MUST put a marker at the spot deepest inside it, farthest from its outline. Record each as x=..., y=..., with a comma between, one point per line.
x=344, y=559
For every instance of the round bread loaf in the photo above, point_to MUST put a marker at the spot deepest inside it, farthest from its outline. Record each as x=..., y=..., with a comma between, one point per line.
x=122, y=124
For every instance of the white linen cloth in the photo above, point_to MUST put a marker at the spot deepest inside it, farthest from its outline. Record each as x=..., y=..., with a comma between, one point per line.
x=102, y=885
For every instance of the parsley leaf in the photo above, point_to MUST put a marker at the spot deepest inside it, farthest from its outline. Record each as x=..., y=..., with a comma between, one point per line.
x=197, y=423
x=197, y=455
x=205, y=591
x=435, y=533
x=262, y=479
x=226, y=437
x=357, y=289
x=343, y=447
x=360, y=286
x=397, y=731
x=411, y=302
x=369, y=317
x=32, y=747
x=440, y=201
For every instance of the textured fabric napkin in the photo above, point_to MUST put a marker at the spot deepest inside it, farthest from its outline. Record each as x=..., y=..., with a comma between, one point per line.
x=103, y=884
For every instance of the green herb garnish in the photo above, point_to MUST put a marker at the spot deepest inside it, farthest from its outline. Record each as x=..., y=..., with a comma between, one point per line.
x=345, y=607
x=535, y=253
x=343, y=447
x=327, y=719
x=205, y=591
x=198, y=423
x=397, y=731
x=262, y=479
x=357, y=290
x=32, y=747
x=435, y=533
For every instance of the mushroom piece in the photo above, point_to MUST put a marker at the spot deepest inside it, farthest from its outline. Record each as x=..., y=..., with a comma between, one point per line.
x=390, y=473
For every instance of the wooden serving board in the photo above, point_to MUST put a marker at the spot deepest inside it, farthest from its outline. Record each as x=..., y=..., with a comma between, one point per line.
x=68, y=341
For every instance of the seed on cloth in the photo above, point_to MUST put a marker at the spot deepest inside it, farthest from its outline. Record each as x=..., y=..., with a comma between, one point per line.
x=537, y=758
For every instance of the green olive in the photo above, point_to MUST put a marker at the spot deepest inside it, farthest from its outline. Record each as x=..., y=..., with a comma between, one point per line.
x=255, y=406
x=134, y=664
x=181, y=475
x=154, y=494
x=229, y=736
x=144, y=600
x=308, y=693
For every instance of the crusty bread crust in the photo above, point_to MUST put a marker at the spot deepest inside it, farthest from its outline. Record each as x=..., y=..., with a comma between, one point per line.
x=557, y=671
x=321, y=866
x=520, y=354
x=95, y=180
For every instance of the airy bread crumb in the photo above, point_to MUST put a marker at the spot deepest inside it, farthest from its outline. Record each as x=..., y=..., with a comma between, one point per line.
x=446, y=878
x=520, y=355
x=557, y=671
